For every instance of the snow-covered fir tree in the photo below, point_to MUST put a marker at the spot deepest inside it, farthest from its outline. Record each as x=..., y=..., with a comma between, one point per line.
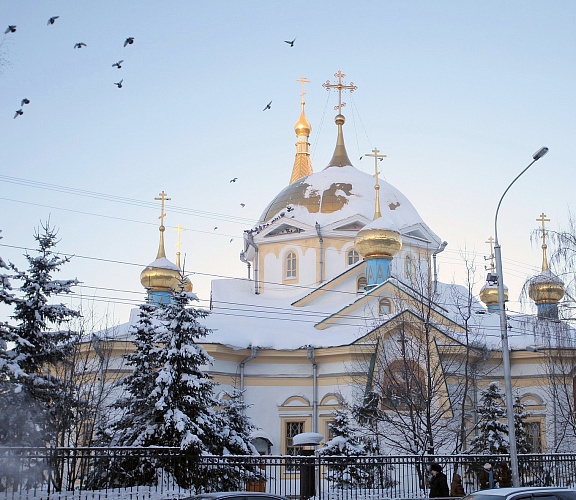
x=520, y=415
x=35, y=407
x=237, y=426
x=345, y=442
x=492, y=435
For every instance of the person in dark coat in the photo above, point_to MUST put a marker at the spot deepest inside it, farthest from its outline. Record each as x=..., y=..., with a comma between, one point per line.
x=486, y=477
x=505, y=476
x=456, y=488
x=438, y=483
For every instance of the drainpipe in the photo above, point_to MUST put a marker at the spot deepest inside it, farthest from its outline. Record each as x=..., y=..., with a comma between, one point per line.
x=250, y=240
x=310, y=354
x=321, y=252
x=436, y=252
x=253, y=354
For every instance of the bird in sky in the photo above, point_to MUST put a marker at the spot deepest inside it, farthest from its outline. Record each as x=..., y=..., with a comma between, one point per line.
x=25, y=101
x=118, y=64
x=129, y=41
x=52, y=20
x=290, y=43
x=119, y=84
x=10, y=29
x=79, y=45
x=361, y=157
x=268, y=106
x=215, y=227
x=234, y=180
x=242, y=205
x=231, y=240
x=18, y=113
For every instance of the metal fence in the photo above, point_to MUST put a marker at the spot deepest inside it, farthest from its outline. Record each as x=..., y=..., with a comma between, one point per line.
x=163, y=473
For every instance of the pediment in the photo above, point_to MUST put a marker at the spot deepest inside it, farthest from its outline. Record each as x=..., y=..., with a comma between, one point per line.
x=353, y=226
x=284, y=229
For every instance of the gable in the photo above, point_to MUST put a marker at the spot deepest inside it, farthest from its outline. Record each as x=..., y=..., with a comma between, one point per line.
x=284, y=229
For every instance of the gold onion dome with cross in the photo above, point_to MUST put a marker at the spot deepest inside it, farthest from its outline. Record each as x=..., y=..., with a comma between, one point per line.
x=546, y=287
x=161, y=275
x=489, y=292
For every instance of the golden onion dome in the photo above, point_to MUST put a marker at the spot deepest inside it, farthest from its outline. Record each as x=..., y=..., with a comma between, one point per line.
x=489, y=294
x=188, y=285
x=374, y=243
x=546, y=288
x=302, y=126
x=161, y=275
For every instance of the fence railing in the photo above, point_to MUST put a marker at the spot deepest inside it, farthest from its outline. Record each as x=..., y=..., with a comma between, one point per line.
x=91, y=473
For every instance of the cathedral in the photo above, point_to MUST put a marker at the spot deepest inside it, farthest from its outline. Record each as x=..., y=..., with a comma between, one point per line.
x=342, y=301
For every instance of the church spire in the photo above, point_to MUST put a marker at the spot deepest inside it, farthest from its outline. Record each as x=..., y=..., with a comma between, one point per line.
x=543, y=219
x=302, y=163
x=161, y=250
x=340, y=156
x=377, y=213
x=178, y=229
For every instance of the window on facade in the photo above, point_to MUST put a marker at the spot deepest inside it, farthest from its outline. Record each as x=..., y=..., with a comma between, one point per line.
x=384, y=306
x=403, y=385
x=534, y=436
x=409, y=267
x=290, y=265
x=353, y=256
x=361, y=283
x=293, y=428
x=329, y=433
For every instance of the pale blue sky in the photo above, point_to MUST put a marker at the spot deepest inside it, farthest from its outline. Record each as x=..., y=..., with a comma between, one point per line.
x=458, y=94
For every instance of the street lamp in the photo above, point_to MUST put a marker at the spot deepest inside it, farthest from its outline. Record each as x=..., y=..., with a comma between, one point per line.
x=533, y=348
x=504, y=331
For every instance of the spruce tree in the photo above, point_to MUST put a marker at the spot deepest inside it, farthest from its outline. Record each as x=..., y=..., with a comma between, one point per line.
x=493, y=433
x=520, y=415
x=35, y=407
x=237, y=427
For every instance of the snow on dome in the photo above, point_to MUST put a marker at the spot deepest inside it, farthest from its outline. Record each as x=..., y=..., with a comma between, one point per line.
x=546, y=277
x=163, y=263
x=336, y=193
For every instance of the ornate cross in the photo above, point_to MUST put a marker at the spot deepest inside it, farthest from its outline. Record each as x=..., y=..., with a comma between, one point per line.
x=339, y=87
x=376, y=156
x=304, y=81
x=543, y=219
x=179, y=229
x=491, y=242
x=163, y=198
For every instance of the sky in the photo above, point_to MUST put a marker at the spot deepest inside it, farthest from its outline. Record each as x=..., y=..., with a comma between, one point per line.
x=457, y=94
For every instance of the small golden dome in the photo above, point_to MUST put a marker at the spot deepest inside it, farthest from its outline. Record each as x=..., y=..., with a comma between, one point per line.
x=302, y=126
x=489, y=294
x=546, y=288
x=188, y=285
x=378, y=243
x=158, y=278
x=339, y=120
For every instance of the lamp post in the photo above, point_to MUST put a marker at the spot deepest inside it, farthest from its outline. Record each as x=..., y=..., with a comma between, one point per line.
x=504, y=331
x=533, y=348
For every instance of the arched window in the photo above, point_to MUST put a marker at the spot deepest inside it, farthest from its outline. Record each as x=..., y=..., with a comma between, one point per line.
x=409, y=267
x=403, y=385
x=361, y=283
x=352, y=256
x=290, y=265
x=384, y=306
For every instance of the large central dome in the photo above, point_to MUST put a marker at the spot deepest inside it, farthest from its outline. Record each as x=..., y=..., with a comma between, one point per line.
x=337, y=193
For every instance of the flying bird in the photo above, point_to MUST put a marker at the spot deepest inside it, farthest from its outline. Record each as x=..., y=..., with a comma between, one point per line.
x=231, y=239
x=215, y=227
x=25, y=101
x=118, y=64
x=361, y=157
x=18, y=113
x=52, y=20
x=290, y=43
x=79, y=45
x=129, y=41
x=242, y=205
x=268, y=106
x=10, y=29
x=234, y=180
x=119, y=84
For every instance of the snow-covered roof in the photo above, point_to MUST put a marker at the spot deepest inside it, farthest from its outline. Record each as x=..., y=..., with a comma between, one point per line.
x=163, y=263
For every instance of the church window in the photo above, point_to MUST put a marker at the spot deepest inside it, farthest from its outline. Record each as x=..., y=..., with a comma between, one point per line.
x=293, y=428
x=352, y=256
x=534, y=436
x=403, y=386
x=290, y=265
x=409, y=267
x=361, y=284
x=384, y=306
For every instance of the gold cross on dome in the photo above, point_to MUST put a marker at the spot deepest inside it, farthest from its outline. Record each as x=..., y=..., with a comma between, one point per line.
x=179, y=229
x=339, y=87
x=376, y=156
x=162, y=214
x=491, y=242
x=543, y=219
x=304, y=81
